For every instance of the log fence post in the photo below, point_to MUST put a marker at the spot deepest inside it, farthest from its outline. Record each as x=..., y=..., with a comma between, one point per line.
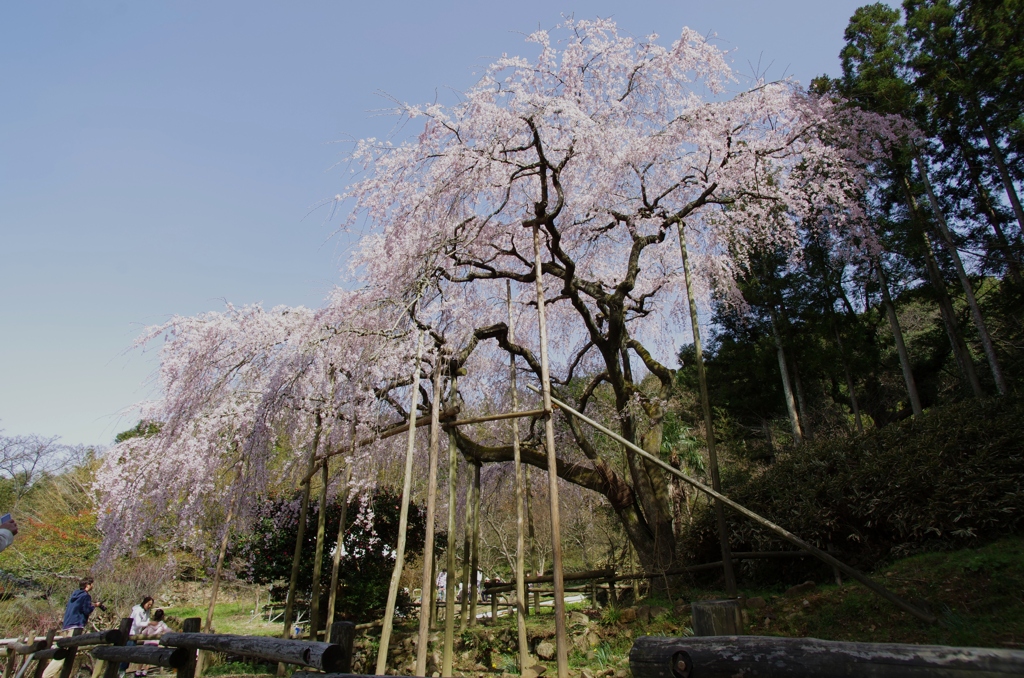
x=41, y=664
x=188, y=669
x=343, y=633
x=69, y=661
x=111, y=668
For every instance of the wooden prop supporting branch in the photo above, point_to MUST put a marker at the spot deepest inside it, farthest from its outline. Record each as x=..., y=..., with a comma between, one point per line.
x=449, y=585
x=474, y=553
x=403, y=518
x=524, y=643
x=561, y=643
x=467, y=540
x=318, y=556
x=220, y=565
x=332, y=599
x=709, y=422
x=427, y=583
x=300, y=536
x=760, y=520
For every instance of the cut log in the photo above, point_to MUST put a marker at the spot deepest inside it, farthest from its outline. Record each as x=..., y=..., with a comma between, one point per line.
x=169, y=657
x=343, y=634
x=323, y=656
x=98, y=638
x=58, y=653
x=26, y=648
x=756, y=656
x=717, y=618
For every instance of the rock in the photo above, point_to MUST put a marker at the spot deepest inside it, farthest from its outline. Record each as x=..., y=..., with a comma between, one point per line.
x=800, y=589
x=657, y=611
x=681, y=609
x=580, y=643
x=579, y=618
x=528, y=673
x=593, y=639
x=586, y=674
x=628, y=615
x=643, y=613
x=540, y=669
x=756, y=603
x=806, y=603
x=546, y=651
x=621, y=673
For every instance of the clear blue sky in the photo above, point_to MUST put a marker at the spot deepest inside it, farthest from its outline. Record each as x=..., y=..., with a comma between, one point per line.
x=160, y=158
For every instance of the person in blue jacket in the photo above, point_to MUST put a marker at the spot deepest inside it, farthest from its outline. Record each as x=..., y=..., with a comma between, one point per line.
x=80, y=606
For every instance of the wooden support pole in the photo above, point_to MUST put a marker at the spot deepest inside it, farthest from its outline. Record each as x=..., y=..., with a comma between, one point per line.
x=495, y=417
x=427, y=582
x=561, y=641
x=318, y=556
x=467, y=541
x=449, y=586
x=524, y=642
x=403, y=518
x=878, y=589
x=763, y=657
x=332, y=599
x=709, y=422
x=300, y=536
x=221, y=553
x=474, y=559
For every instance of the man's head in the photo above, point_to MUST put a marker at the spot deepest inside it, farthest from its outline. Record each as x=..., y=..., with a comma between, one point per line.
x=85, y=583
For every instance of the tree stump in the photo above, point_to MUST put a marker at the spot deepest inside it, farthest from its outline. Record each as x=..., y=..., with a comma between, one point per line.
x=717, y=618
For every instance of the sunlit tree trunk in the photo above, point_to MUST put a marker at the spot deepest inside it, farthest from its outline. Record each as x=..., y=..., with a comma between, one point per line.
x=787, y=388
x=959, y=348
x=897, y=335
x=709, y=423
x=965, y=282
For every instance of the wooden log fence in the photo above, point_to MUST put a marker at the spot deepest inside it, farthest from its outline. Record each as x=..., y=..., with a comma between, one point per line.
x=771, y=657
x=178, y=651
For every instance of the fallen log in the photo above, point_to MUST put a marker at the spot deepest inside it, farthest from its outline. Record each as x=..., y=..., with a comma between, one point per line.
x=323, y=656
x=770, y=657
x=167, y=657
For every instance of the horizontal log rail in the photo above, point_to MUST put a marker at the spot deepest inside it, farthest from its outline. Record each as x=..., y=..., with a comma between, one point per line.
x=769, y=657
x=168, y=657
x=98, y=638
x=501, y=587
x=853, y=573
x=323, y=656
x=26, y=648
x=51, y=653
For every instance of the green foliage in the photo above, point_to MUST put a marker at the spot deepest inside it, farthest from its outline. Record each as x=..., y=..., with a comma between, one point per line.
x=238, y=668
x=144, y=429
x=367, y=561
x=951, y=478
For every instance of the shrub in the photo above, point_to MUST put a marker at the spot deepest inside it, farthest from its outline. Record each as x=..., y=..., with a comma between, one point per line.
x=949, y=479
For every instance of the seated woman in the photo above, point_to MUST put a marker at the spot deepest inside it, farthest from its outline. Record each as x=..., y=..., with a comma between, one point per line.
x=154, y=629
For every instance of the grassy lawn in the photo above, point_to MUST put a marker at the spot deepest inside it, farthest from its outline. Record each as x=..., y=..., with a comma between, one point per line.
x=235, y=618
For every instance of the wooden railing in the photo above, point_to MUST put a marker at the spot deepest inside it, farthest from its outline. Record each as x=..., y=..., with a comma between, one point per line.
x=177, y=651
